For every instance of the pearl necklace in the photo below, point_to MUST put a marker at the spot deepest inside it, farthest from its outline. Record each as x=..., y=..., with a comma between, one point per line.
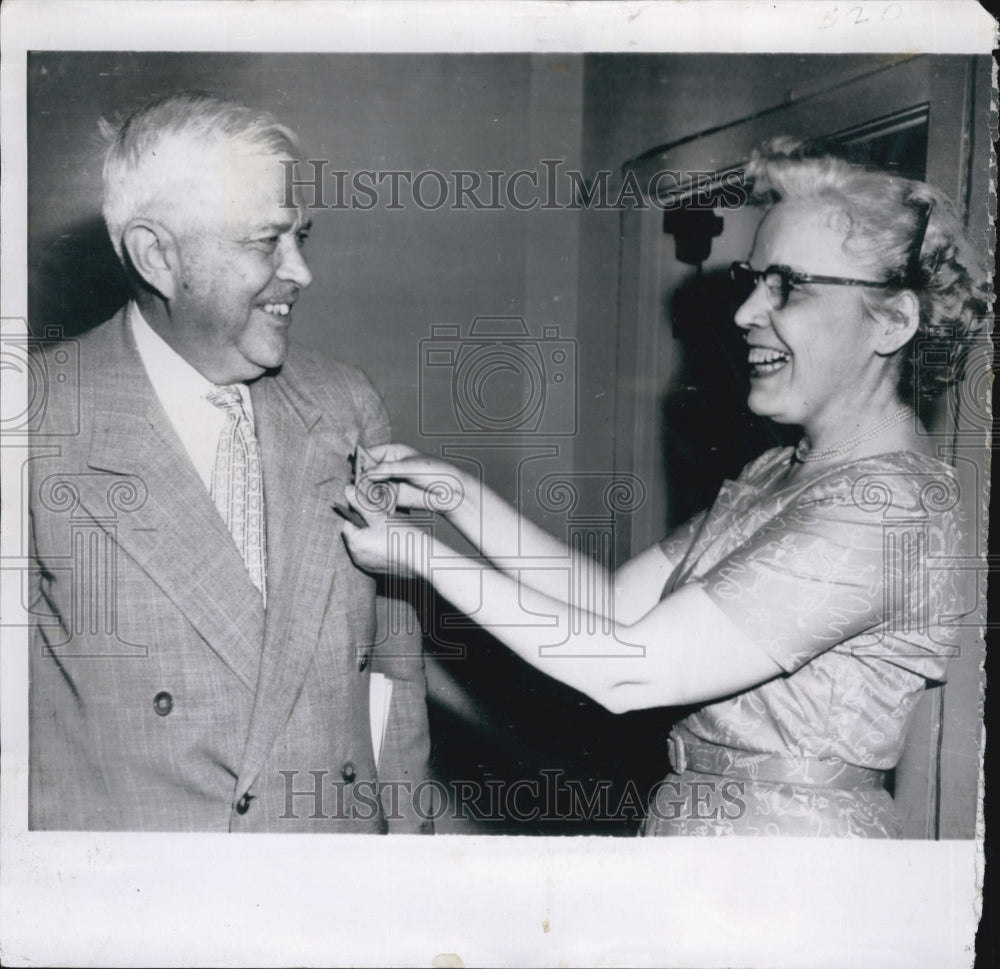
x=804, y=453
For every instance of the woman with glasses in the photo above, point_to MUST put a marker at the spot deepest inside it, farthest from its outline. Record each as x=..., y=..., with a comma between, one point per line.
x=799, y=614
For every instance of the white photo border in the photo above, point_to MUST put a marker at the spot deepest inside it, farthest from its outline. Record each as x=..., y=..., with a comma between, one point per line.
x=174, y=900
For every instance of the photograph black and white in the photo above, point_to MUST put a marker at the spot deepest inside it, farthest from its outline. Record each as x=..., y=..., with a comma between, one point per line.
x=572, y=464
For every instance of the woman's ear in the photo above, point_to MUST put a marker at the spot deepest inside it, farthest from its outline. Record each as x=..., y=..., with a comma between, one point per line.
x=897, y=320
x=152, y=251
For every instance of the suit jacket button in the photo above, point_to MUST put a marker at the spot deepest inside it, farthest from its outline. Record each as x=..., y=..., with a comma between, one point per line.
x=363, y=662
x=348, y=772
x=163, y=703
x=243, y=804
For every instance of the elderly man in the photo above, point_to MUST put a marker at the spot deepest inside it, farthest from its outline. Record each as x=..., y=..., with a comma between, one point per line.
x=203, y=649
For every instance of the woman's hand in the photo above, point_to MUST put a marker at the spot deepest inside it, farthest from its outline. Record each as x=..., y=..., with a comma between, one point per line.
x=422, y=483
x=386, y=544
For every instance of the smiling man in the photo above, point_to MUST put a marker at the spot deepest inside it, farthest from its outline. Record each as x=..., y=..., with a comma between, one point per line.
x=203, y=647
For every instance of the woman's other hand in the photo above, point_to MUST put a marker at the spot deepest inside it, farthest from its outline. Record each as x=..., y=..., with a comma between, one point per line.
x=423, y=483
x=386, y=543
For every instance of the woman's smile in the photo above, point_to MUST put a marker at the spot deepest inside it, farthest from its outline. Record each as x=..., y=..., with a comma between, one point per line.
x=767, y=361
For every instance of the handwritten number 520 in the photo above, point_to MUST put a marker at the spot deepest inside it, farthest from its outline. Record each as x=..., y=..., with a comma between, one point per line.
x=856, y=15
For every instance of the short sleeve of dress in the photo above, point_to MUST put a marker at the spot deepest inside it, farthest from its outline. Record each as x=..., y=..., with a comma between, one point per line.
x=852, y=558
x=684, y=539
x=677, y=544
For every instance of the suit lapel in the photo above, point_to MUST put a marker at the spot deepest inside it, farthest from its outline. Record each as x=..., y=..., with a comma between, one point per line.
x=305, y=470
x=175, y=534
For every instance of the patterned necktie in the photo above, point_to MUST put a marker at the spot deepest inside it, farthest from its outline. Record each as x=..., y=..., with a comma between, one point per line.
x=238, y=486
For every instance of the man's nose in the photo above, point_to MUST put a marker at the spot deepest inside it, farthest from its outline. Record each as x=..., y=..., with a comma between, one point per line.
x=293, y=267
x=755, y=309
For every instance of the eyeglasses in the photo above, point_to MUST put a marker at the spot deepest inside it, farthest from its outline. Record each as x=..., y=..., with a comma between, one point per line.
x=779, y=281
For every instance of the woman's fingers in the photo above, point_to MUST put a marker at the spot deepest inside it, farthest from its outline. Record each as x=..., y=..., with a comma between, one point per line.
x=370, y=548
x=366, y=553
x=367, y=546
x=419, y=482
x=391, y=452
x=423, y=484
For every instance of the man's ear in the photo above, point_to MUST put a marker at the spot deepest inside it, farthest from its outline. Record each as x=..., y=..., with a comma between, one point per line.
x=898, y=320
x=152, y=250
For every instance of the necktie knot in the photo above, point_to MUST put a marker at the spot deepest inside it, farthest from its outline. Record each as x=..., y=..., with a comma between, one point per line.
x=228, y=398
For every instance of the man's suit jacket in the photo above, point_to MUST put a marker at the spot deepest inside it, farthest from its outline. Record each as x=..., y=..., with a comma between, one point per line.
x=163, y=696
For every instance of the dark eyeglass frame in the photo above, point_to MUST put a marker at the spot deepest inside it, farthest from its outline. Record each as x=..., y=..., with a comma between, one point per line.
x=748, y=278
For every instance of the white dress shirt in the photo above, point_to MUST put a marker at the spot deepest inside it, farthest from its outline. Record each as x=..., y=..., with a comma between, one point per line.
x=182, y=392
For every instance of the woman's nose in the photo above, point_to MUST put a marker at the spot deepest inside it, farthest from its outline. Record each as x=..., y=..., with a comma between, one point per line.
x=755, y=309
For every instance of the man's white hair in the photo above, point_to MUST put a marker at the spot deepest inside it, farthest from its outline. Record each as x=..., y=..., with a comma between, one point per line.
x=156, y=152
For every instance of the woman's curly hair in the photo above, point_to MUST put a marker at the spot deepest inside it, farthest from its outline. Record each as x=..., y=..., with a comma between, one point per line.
x=907, y=232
